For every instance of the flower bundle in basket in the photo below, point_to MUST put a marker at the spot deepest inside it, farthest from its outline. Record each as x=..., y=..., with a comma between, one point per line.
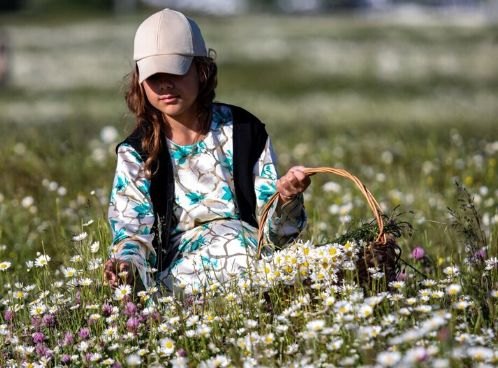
x=381, y=253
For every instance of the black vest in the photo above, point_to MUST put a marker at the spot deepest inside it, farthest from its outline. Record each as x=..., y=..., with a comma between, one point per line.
x=249, y=139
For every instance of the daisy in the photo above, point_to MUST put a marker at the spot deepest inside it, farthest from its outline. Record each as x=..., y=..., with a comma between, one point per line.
x=451, y=271
x=480, y=354
x=438, y=294
x=397, y=284
x=19, y=294
x=268, y=339
x=69, y=272
x=80, y=237
x=461, y=305
x=122, y=291
x=5, y=265
x=329, y=301
x=203, y=330
x=388, y=358
x=179, y=362
x=315, y=325
x=429, y=283
x=424, y=308
x=87, y=223
x=29, y=265
x=108, y=361
x=42, y=260
x=453, y=289
x=133, y=360
x=38, y=309
x=75, y=259
x=365, y=311
x=94, y=248
x=4, y=330
x=111, y=333
x=86, y=281
x=94, y=263
x=167, y=346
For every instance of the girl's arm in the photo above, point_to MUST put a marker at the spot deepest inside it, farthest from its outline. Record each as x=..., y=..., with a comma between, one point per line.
x=131, y=215
x=285, y=220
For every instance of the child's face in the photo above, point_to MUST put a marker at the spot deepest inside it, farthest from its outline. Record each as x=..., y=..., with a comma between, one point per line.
x=174, y=95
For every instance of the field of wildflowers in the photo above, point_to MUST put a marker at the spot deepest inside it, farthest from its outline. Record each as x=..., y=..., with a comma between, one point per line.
x=410, y=109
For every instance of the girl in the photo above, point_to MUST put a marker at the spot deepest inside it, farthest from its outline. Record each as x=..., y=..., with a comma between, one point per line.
x=194, y=174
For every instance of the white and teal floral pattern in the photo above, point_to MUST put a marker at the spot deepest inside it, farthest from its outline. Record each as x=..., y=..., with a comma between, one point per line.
x=210, y=241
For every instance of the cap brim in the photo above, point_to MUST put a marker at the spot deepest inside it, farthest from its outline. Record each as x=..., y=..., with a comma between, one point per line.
x=171, y=64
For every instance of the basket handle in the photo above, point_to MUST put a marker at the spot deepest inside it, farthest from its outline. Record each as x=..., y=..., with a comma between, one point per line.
x=372, y=203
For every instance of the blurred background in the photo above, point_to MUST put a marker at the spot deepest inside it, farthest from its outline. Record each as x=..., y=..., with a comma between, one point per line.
x=402, y=93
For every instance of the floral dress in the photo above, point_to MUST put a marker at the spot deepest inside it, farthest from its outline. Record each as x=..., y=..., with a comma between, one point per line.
x=209, y=242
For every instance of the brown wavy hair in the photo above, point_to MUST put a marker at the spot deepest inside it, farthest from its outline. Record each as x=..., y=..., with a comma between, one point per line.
x=151, y=122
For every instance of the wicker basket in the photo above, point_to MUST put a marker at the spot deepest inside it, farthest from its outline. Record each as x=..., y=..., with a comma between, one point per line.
x=381, y=253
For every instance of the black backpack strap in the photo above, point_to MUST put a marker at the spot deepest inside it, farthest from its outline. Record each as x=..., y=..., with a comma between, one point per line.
x=162, y=196
x=249, y=140
x=135, y=140
x=162, y=192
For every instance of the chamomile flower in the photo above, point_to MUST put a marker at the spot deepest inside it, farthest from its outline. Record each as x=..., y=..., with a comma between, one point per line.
x=480, y=353
x=365, y=311
x=133, y=360
x=397, y=284
x=122, y=291
x=86, y=281
x=167, y=346
x=453, y=289
x=451, y=271
x=268, y=339
x=94, y=248
x=76, y=259
x=5, y=265
x=69, y=272
x=388, y=358
x=29, y=265
x=38, y=309
x=461, y=305
x=88, y=223
x=316, y=325
x=80, y=237
x=42, y=260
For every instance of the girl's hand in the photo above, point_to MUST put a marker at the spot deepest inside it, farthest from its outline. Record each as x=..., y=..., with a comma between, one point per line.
x=118, y=272
x=292, y=183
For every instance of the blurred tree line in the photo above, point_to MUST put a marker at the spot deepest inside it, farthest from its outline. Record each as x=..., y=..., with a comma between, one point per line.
x=13, y=5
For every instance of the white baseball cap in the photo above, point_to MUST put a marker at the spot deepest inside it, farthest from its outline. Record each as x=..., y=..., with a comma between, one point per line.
x=167, y=42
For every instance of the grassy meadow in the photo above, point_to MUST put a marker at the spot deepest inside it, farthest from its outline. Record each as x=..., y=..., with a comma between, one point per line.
x=411, y=109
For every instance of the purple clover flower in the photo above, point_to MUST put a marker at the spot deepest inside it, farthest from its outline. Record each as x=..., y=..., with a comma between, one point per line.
x=36, y=322
x=8, y=315
x=43, y=351
x=38, y=337
x=88, y=357
x=402, y=276
x=68, y=339
x=84, y=333
x=107, y=309
x=418, y=253
x=480, y=254
x=132, y=324
x=66, y=359
x=48, y=320
x=130, y=309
